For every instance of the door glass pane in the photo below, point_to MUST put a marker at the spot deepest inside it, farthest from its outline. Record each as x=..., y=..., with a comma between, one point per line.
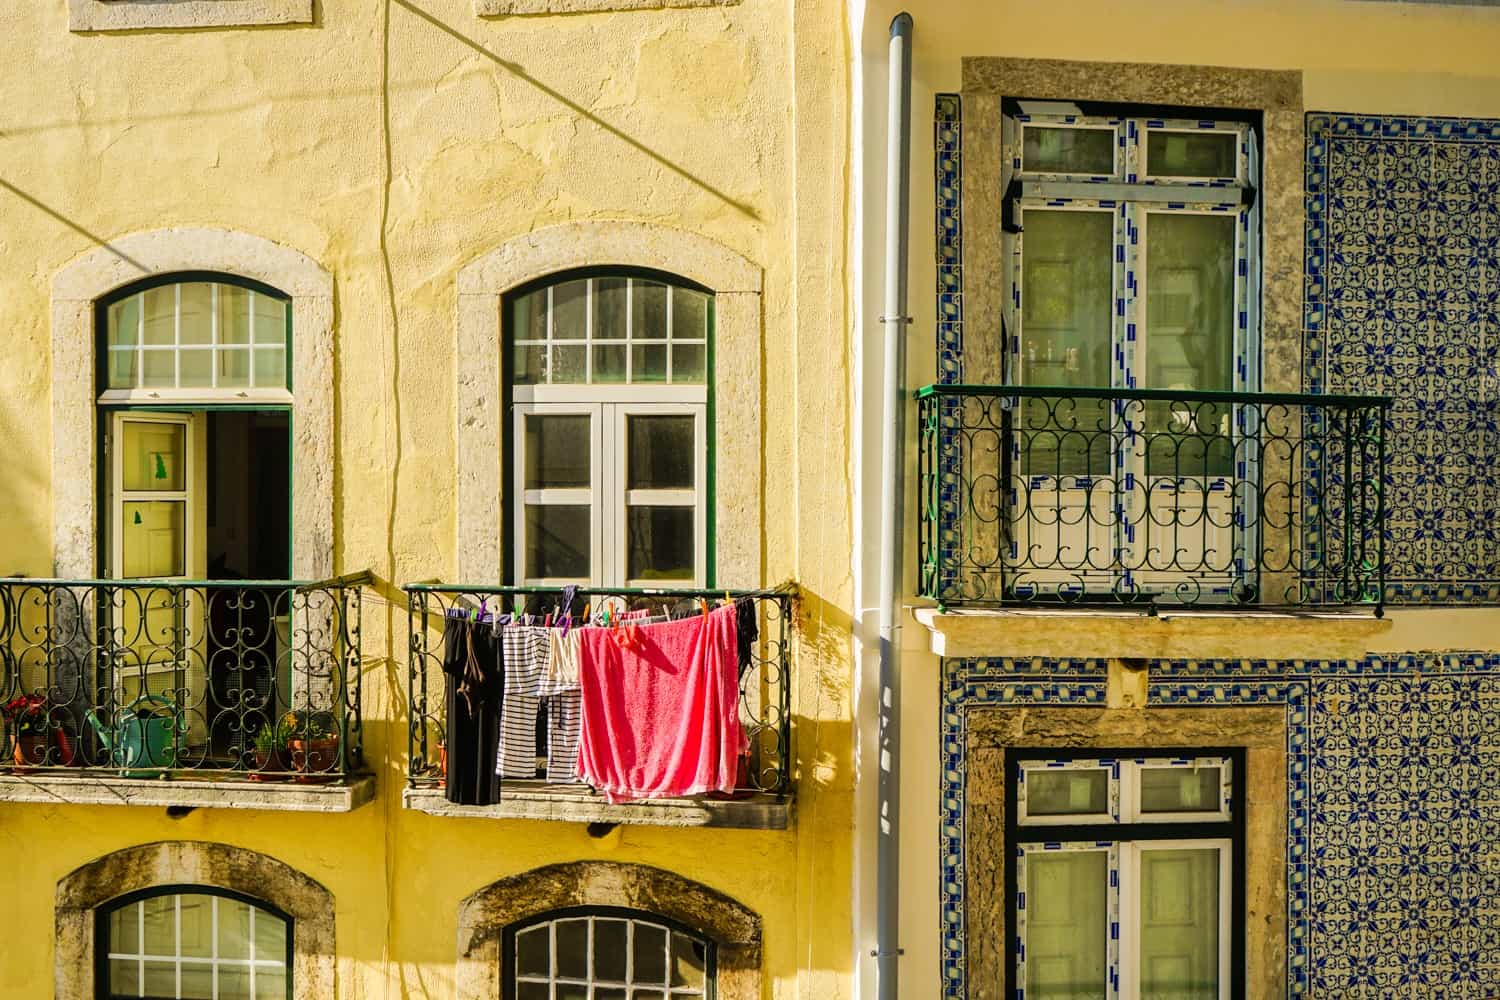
x=659, y=543
x=648, y=363
x=533, y=991
x=650, y=949
x=689, y=314
x=197, y=926
x=270, y=984
x=152, y=538
x=660, y=452
x=234, y=314
x=558, y=541
x=529, y=364
x=234, y=368
x=123, y=323
x=270, y=320
x=609, y=308
x=528, y=316
x=1067, y=924
x=270, y=936
x=1190, y=312
x=568, y=364
x=1191, y=154
x=196, y=366
x=609, y=950
x=158, y=369
x=160, y=979
x=234, y=929
x=160, y=305
x=160, y=927
x=572, y=948
x=124, y=927
x=197, y=322
x=122, y=369
x=534, y=952
x=1180, y=924
x=234, y=982
x=1062, y=150
x=570, y=310
x=1067, y=791
x=153, y=455
x=557, y=451
x=1067, y=276
x=270, y=368
x=197, y=983
x=689, y=961
x=1180, y=789
x=687, y=363
x=125, y=977
x=609, y=362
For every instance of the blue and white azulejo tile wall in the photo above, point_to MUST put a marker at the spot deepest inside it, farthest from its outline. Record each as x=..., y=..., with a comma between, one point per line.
x=1402, y=286
x=1393, y=885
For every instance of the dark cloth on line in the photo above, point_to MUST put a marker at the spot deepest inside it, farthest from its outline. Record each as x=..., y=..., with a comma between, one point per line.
x=748, y=630
x=474, y=675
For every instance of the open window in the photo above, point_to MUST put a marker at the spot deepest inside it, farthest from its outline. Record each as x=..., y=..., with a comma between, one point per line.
x=610, y=428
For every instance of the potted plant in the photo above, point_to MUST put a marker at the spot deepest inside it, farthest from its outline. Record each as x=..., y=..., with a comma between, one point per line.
x=271, y=751
x=26, y=718
x=313, y=741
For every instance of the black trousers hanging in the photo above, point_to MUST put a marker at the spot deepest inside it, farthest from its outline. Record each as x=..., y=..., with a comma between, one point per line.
x=474, y=671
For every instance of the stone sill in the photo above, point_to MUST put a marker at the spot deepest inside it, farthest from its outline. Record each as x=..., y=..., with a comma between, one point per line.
x=1177, y=635
x=499, y=8
x=187, y=793
x=156, y=15
x=575, y=804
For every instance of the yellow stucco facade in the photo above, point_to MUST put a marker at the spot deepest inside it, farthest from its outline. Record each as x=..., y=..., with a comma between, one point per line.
x=393, y=144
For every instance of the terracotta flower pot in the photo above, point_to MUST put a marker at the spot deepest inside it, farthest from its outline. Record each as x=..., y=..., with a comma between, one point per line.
x=312, y=759
x=270, y=765
x=443, y=763
x=30, y=750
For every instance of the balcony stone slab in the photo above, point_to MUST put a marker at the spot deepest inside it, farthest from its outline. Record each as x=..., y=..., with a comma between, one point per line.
x=1119, y=634
x=186, y=793
x=576, y=804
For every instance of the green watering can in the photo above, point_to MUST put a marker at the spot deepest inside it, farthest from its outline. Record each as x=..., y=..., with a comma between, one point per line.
x=144, y=735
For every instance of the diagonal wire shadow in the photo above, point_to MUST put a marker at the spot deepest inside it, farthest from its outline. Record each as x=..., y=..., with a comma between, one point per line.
x=49, y=210
x=516, y=70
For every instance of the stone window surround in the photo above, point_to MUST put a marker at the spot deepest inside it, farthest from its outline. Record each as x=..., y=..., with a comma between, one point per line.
x=146, y=15
x=1277, y=94
x=193, y=863
x=80, y=284
x=736, y=284
x=484, y=916
x=1261, y=730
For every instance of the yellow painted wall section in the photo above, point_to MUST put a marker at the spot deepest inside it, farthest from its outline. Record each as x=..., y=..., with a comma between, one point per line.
x=1356, y=56
x=393, y=142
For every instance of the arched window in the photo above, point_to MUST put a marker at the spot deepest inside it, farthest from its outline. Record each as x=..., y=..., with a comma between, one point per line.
x=195, y=336
x=193, y=943
x=606, y=953
x=608, y=372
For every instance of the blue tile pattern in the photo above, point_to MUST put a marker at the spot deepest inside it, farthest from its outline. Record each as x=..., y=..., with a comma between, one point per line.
x=1393, y=887
x=1403, y=280
x=948, y=166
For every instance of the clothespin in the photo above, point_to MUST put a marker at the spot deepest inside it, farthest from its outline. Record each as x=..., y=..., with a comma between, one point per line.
x=727, y=600
x=703, y=605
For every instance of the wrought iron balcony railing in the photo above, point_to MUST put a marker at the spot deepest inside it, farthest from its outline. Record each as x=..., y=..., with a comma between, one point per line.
x=764, y=687
x=1031, y=495
x=174, y=679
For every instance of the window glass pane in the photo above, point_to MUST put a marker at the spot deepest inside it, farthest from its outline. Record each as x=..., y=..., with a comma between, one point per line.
x=197, y=983
x=1067, y=276
x=649, y=310
x=197, y=926
x=609, y=950
x=1062, y=150
x=160, y=305
x=270, y=367
x=1191, y=154
x=1179, y=789
x=153, y=455
x=234, y=368
x=650, y=954
x=689, y=961
x=610, y=994
x=1180, y=924
x=569, y=310
x=533, y=991
x=648, y=363
x=152, y=538
x=124, y=978
x=558, y=542
x=195, y=323
x=534, y=952
x=1067, y=791
x=270, y=936
x=572, y=991
x=609, y=308
x=529, y=364
x=234, y=982
x=160, y=979
x=661, y=453
x=270, y=984
x=234, y=314
x=569, y=363
x=196, y=366
x=659, y=543
x=687, y=363
x=122, y=369
x=270, y=320
x=124, y=930
x=557, y=451
x=689, y=314
x=158, y=369
x=609, y=363
x=528, y=316
x=1190, y=314
x=572, y=948
x=123, y=323
x=160, y=927
x=640, y=994
x=234, y=929
x=1067, y=924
